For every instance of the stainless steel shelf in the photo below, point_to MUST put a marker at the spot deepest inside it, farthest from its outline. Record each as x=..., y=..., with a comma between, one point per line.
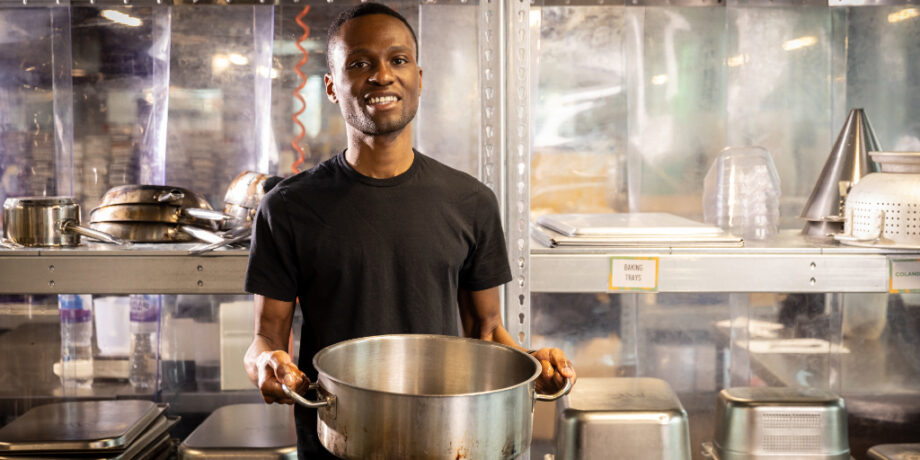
x=102, y=269
x=787, y=263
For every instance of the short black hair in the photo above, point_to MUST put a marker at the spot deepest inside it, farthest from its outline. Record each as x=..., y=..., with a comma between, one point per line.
x=363, y=9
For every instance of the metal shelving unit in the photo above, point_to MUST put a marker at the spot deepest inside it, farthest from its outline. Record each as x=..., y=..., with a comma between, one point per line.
x=787, y=263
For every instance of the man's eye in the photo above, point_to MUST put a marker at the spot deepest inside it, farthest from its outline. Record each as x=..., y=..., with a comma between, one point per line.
x=400, y=60
x=358, y=65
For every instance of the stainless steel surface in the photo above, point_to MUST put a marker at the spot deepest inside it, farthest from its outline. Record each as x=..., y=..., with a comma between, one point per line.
x=626, y=224
x=153, y=194
x=550, y=238
x=46, y=222
x=754, y=423
x=82, y=425
x=895, y=452
x=244, y=431
x=424, y=396
x=847, y=164
x=622, y=418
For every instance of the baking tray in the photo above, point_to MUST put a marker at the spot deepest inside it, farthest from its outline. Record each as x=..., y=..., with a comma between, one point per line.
x=244, y=431
x=627, y=224
x=108, y=425
x=551, y=238
x=144, y=446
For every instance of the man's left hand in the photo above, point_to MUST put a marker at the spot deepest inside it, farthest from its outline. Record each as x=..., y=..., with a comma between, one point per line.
x=556, y=368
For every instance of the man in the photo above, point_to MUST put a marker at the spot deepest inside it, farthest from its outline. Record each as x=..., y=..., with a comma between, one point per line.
x=379, y=239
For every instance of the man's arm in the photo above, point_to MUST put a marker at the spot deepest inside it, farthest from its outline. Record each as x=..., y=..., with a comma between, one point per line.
x=266, y=361
x=480, y=314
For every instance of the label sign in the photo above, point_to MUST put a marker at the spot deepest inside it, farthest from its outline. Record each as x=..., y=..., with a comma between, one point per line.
x=633, y=274
x=904, y=275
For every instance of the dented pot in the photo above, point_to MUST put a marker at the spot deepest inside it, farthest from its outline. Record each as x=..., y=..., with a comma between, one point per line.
x=424, y=397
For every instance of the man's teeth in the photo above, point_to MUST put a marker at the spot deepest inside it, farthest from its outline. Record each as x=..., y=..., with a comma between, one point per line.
x=381, y=100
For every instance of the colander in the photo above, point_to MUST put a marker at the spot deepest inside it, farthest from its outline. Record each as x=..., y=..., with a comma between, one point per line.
x=883, y=208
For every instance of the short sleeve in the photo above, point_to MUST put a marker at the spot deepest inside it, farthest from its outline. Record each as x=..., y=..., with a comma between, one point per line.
x=487, y=264
x=273, y=270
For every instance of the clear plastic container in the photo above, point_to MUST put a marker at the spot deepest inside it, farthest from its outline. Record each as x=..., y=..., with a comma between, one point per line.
x=145, y=322
x=76, y=340
x=741, y=193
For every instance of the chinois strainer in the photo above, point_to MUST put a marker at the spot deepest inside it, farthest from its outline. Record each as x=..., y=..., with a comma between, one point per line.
x=883, y=209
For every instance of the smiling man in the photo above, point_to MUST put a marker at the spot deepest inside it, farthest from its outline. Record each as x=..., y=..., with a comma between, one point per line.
x=379, y=239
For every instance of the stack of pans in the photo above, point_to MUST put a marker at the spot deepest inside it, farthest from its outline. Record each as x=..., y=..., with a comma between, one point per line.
x=111, y=429
x=158, y=214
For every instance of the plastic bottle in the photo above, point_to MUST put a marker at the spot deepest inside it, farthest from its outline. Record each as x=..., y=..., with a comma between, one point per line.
x=76, y=340
x=145, y=322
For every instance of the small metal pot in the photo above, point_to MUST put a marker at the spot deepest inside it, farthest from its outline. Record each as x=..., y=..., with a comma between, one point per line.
x=47, y=222
x=424, y=396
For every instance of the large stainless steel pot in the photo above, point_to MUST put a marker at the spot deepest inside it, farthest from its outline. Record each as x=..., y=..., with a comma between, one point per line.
x=47, y=222
x=424, y=397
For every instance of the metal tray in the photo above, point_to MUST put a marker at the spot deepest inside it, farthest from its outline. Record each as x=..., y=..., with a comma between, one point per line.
x=551, y=238
x=627, y=224
x=244, y=431
x=144, y=446
x=622, y=419
x=894, y=452
x=83, y=426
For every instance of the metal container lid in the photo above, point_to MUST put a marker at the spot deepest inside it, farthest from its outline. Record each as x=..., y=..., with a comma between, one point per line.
x=42, y=201
x=79, y=426
x=244, y=431
x=779, y=395
x=894, y=452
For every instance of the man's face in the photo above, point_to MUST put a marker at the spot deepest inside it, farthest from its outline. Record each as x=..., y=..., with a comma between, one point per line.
x=375, y=78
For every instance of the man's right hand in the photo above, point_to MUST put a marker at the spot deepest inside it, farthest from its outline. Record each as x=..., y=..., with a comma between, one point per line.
x=275, y=367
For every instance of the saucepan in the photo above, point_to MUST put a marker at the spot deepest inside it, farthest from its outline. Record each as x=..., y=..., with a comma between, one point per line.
x=245, y=193
x=424, y=396
x=153, y=194
x=168, y=213
x=47, y=222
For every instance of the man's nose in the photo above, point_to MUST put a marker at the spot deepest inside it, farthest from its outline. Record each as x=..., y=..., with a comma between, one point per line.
x=382, y=75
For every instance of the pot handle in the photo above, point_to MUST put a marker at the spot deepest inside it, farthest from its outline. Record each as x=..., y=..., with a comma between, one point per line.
x=204, y=235
x=564, y=391
x=206, y=214
x=304, y=401
x=71, y=226
x=212, y=246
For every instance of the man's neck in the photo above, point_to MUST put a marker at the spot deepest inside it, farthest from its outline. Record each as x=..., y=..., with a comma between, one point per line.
x=380, y=157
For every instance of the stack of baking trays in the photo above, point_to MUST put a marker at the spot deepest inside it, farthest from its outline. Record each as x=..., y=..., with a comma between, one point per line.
x=112, y=429
x=637, y=229
x=158, y=214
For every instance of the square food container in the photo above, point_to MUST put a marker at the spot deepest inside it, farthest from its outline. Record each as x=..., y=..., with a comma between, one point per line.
x=622, y=419
x=760, y=423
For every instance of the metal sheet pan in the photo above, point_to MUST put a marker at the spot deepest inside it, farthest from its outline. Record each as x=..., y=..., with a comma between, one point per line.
x=244, y=431
x=633, y=224
x=147, y=445
x=100, y=426
x=552, y=239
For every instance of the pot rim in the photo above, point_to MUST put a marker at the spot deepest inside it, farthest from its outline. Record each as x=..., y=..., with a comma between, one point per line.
x=538, y=368
x=39, y=201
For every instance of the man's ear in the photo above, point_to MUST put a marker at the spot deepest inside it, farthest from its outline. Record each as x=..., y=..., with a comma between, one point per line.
x=330, y=88
x=419, y=78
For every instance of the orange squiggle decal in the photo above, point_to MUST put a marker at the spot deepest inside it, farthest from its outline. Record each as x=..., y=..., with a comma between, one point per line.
x=303, y=82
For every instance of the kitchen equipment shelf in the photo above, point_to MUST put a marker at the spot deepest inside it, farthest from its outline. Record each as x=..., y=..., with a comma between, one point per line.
x=787, y=263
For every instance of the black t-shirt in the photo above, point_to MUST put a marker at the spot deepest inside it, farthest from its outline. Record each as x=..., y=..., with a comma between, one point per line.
x=369, y=256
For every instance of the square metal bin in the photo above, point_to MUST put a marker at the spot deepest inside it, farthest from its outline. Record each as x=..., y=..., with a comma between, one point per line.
x=622, y=418
x=244, y=431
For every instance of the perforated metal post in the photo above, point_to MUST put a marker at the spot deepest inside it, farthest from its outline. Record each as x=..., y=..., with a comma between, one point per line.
x=517, y=225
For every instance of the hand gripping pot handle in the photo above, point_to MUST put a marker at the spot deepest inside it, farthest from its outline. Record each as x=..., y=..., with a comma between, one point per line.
x=564, y=391
x=304, y=401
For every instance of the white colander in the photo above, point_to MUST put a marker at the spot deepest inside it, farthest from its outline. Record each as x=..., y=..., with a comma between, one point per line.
x=883, y=208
